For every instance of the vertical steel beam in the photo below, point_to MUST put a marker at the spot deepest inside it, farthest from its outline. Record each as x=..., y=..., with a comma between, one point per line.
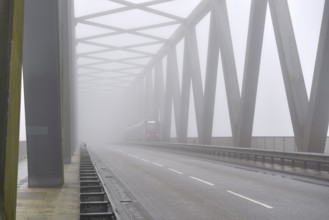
x=185, y=97
x=66, y=39
x=172, y=95
x=11, y=37
x=251, y=71
x=228, y=61
x=291, y=67
x=134, y=97
x=148, y=96
x=195, y=71
x=166, y=122
x=73, y=85
x=42, y=84
x=141, y=94
x=158, y=91
x=316, y=125
x=137, y=98
x=174, y=81
x=131, y=98
x=210, y=83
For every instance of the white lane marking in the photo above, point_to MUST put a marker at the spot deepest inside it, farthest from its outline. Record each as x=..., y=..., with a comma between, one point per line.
x=203, y=181
x=249, y=199
x=145, y=160
x=176, y=171
x=157, y=164
x=136, y=157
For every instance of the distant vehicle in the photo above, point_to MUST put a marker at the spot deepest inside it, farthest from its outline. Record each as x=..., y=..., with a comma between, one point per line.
x=146, y=130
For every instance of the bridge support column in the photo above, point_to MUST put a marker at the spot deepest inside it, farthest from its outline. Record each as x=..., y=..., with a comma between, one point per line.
x=42, y=83
x=11, y=35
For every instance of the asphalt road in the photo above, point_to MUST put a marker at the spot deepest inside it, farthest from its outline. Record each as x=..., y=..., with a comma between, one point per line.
x=176, y=186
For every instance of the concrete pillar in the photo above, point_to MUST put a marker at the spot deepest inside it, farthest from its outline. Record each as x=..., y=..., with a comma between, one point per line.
x=42, y=84
x=11, y=33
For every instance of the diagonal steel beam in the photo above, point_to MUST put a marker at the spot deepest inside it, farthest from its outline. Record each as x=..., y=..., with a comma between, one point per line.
x=129, y=6
x=291, y=67
x=172, y=70
x=125, y=48
x=185, y=98
x=158, y=91
x=228, y=62
x=148, y=96
x=316, y=125
x=167, y=111
x=210, y=82
x=194, y=64
x=122, y=31
x=198, y=13
x=147, y=9
x=251, y=71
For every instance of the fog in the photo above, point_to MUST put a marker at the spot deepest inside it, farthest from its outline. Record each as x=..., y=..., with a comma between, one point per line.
x=107, y=65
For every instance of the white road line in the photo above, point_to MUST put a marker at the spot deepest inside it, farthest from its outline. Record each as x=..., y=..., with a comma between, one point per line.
x=251, y=200
x=136, y=157
x=175, y=171
x=145, y=160
x=157, y=164
x=203, y=181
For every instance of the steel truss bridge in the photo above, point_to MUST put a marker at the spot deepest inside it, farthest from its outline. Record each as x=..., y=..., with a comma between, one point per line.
x=115, y=50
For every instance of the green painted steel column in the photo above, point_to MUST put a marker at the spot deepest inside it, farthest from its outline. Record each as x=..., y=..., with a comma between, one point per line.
x=11, y=32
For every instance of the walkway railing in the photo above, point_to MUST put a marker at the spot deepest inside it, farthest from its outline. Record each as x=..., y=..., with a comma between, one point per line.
x=308, y=164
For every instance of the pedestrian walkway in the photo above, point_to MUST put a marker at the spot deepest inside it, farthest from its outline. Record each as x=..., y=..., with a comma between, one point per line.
x=49, y=203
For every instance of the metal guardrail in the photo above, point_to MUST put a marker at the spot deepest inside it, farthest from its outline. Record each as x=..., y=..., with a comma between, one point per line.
x=312, y=161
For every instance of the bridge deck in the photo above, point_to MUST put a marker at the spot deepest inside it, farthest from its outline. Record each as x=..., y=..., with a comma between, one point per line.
x=49, y=203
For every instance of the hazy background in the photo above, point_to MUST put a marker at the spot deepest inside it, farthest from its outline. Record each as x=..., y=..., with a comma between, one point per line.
x=99, y=115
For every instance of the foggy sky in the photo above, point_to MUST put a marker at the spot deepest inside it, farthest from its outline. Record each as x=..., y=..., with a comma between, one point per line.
x=271, y=115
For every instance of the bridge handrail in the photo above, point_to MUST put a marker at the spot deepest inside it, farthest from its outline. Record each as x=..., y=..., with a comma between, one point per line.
x=313, y=161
